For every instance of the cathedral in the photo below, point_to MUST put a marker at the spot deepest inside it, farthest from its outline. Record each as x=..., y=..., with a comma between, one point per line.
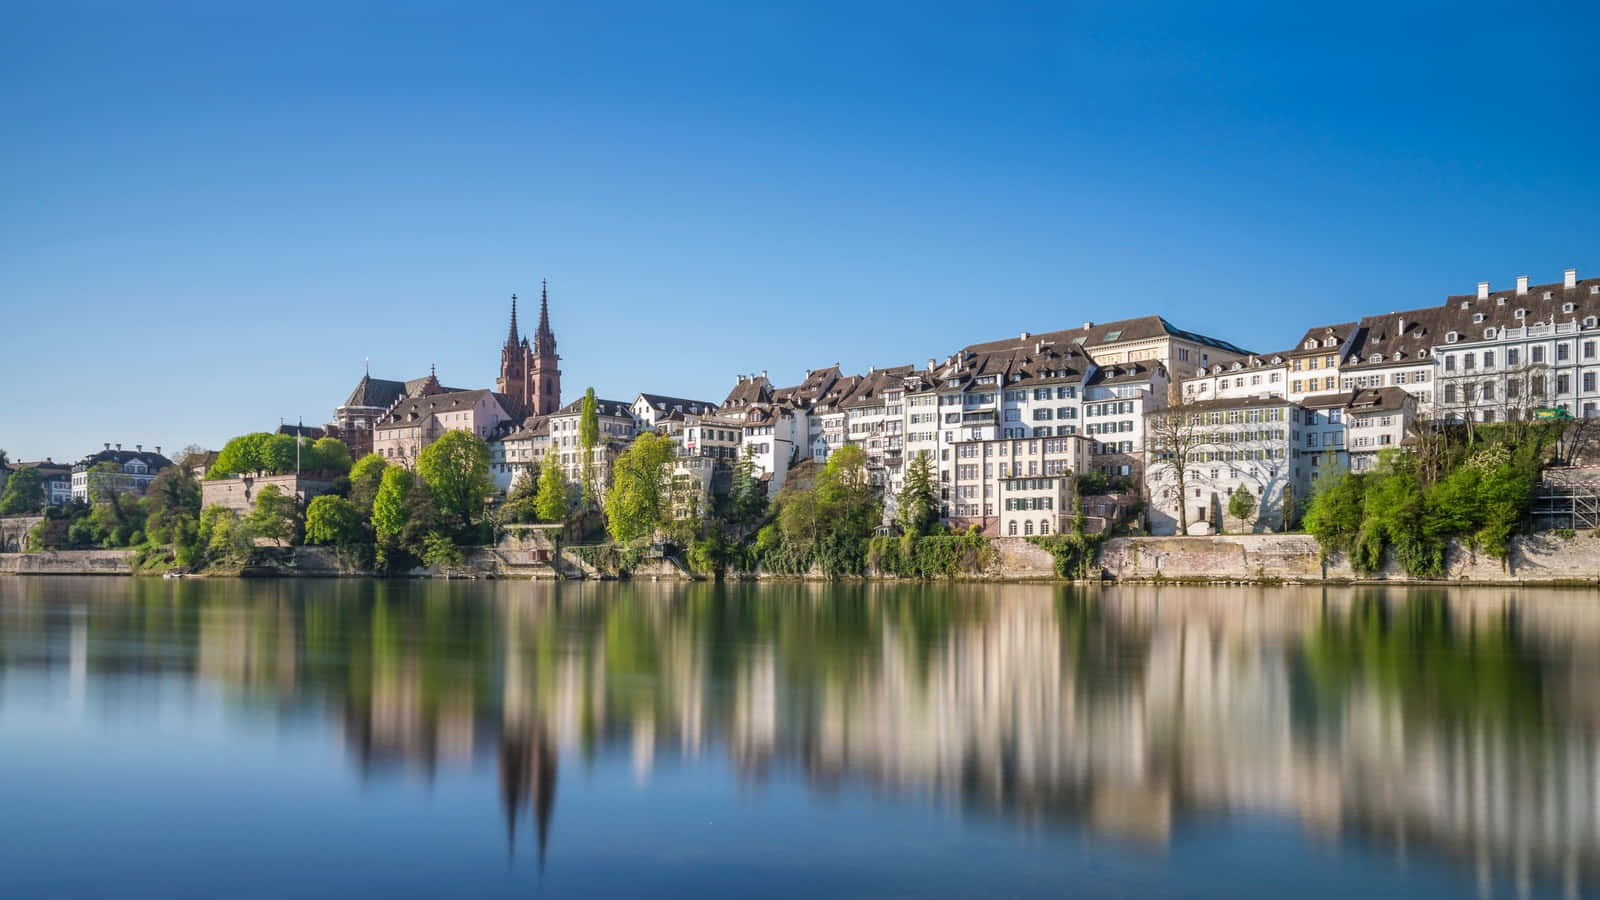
x=528, y=372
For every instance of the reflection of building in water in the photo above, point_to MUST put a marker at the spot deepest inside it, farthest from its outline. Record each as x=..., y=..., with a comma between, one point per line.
x=527, y=781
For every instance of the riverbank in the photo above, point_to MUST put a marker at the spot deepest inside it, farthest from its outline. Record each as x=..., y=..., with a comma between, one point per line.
x=1542, y=559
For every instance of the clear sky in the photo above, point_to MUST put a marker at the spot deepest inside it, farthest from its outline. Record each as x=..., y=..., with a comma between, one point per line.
x=211, y=213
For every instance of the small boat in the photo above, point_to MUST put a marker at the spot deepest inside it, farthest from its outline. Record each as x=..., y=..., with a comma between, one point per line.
x=171, y=574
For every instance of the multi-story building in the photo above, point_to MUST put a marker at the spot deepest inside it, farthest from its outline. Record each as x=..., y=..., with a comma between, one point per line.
x=616, y=426
x=988, y=472
x=355, y=419
x=1115, y=402
x=55, y=479
x=116, y=470
x=1377, y=420
x=1321, y=448
x=516, y=449
x=413, y=424
x=1243, y=442
x=649, y=410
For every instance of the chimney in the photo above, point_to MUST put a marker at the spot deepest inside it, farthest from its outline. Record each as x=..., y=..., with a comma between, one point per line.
x=930, y=364
x=158, y=449
x=1522, y=285
x=1483, y=290
x=1023, y=336
x=119, y=447
x=1402, y=325
x=108, y=446
x=139, y=447
x=1088, y=325
x=763, y=374
x=1569, y=279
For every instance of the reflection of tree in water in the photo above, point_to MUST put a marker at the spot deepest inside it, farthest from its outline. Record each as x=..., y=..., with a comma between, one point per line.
x=1460, y=722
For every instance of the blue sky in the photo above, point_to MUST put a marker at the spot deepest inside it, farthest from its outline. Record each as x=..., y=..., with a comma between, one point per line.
x=211, y=214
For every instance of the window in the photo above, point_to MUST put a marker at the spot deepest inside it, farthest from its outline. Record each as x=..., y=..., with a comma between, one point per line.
x=1537, y=354
x=1512, y=355
x=1563, y=351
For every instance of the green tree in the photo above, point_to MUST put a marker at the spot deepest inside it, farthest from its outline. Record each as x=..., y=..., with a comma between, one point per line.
x=223, y=537
x=278, y=454
x=522, y=500
x=330, y=455
x=550, y=504
x=1242, y=505
x=172, y=506
x=919, y=496
x=243, y=455
x=638, y=487
x=333, y=520
x=389, y=509
x=276, y=515
x=588, y=439
x=456, y=469
x=748, y=498
x=439, y=552
x=1334, y=515
x=366, y=476
x=23, y=493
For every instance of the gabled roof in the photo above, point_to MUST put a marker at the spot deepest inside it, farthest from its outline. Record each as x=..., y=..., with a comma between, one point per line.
x=416, y=408
x=1385, y=399
x=748, y=390
x=1336, y=400
x=615, y=409
x=154, y=461
x=870, y=388
x=664, y=404
x=47, y=469
x=1320, y=335
x=381, y=393
x=531, y=428
x=1125, y=373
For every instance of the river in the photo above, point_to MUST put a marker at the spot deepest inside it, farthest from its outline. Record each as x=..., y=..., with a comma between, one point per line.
x=343, y=738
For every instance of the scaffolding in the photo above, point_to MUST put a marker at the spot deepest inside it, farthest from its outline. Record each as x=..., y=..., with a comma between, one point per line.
x=1574, y=506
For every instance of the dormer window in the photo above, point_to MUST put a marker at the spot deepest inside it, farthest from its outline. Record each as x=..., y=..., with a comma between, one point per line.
x=1567, y=307
x=1450, y=337
x=1376, y=357
x=1329, y=342
x=1311, y=344
x=1588, y=321
x=1488, y=334
x=1520, y=314
x=1476, y=318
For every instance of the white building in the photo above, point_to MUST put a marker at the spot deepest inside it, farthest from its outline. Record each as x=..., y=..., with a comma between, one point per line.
x=117, y=470
x=1245, y=442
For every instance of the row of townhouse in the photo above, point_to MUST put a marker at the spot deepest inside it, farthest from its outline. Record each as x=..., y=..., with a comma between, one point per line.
x=1037, y=409
x=1346, y=392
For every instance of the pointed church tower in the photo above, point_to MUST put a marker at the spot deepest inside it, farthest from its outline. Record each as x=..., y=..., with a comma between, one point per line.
x=543, y=365
x=513, y=380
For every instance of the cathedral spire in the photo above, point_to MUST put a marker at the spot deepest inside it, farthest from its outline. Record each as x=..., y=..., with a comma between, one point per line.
x=511, y=340
x=544, y=309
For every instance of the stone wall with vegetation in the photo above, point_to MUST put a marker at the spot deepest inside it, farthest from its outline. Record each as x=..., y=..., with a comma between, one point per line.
x=68, y=562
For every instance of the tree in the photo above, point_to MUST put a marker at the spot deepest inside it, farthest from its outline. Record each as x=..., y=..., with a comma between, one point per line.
x=919, y=496
x=1171, y=437
x=748, y=499
x=522, y=500
x=366, y=476
x=588, y=438
x=456, y=469
x=389, y=509
x=440, y=552
x=172, y=506
x=279, y=454
x=550, y=504
x=243, y=455
x=638, y=481
x=1242, y=505
x=223, y=538
x=333, y=520
x=276, y=515
x=23, y=493
x=1334, y=516
x=330, y=455
x=190, y=456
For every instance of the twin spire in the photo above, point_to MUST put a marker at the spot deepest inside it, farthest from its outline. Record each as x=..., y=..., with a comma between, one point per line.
x=544, y=338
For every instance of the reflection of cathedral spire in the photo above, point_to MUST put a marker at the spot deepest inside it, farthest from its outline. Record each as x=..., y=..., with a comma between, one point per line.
x=528, y=779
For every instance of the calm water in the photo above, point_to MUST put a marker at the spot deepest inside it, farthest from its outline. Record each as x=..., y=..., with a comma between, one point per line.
x=410, y=739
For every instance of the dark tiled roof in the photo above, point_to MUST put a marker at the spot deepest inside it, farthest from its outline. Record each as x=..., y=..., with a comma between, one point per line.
x=869, y=390
x=1124, y=373
x=616, y=409
x=1033, y=359
x=382, y=393
x=1408, y=337
x=47, y=470
x=154, y=461
x=305, y=431
x=663, y=403
x=415, y=408
x=1386, y=399
x=748, y=391
x=1121, y=331
x=1337, y=400
x=1320, y=335
x=528, y=429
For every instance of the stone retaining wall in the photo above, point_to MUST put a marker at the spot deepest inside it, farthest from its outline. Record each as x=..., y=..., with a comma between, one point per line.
x=1537, y=559
x=67, y=562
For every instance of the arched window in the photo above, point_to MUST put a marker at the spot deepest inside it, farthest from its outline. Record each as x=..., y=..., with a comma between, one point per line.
x=1012, y=529
x=1044, y=526
x=1027, y=527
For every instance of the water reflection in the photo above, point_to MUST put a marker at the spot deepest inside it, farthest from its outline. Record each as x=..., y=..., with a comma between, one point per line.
x=1456, y=724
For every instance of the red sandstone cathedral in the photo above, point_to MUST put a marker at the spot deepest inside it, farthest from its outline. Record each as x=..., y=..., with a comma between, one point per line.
x=528, y=372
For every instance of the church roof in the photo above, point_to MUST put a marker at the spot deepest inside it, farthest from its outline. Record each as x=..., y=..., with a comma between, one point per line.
x=415, y=408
